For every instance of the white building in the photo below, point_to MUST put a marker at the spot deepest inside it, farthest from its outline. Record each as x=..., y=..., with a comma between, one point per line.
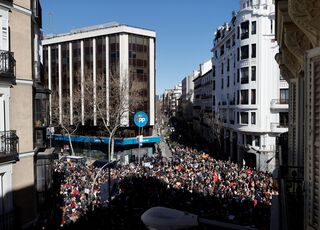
x=187, y=95
x=250, y=97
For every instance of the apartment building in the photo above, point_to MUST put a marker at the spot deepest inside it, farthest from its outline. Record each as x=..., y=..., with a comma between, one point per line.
x=298, y=31
x=202, y=104
x=249, y=94
x=19, y=43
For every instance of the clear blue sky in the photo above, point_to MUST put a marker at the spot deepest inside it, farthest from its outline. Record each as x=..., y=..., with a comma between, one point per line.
x=184, y=28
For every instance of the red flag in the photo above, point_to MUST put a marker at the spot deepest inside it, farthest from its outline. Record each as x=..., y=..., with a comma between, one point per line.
x=215, y=177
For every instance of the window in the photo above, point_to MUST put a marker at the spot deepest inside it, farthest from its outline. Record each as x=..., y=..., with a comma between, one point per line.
x=214, y=85
x=284, y=96
x=244, y=117
x=214, y=100
x=244, y=97
x=228, y=64
x=238, y=118
x=222, y=68
x=233, y=39
x=238, y=32
x=228, y=79
x=257, y=141
x=253, y=97
x=228, y=44
x=238, y=54
x=238, y=97
x=245, y=75
x=283, y=118
x=249, y=139
x=253, y=118
x=238, y=75
x=253, y=50
x=253, y=73
x=222, y=83
x=244, y=52
x=244, y=30
x=214, y=71
x=253, y=27
x=221, y=50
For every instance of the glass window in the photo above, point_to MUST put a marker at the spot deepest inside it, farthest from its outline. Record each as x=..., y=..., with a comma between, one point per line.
x=244, y=30
x=249, y=139
x=253, y=73
x=244, y=97
x=283, y=117
x=257, y=141
x=244, y=52
x=245, y=75
x=253, y=118
x=222, y=68
x=253, y=50
x=228, y=79
x=244, y=117
x=253, y=97
x=238, y=75
x=214, y=71
x=222, y=83
x=228, y=64
x=221, y=50
x=284, y=96
x=253, y=27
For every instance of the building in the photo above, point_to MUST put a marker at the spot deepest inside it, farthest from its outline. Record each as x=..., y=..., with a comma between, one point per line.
x=98, y=54
x=202, y=104
x=187, y=96
x=19, y=44
x=171, y=100
x=250, y=96
x=298, y=31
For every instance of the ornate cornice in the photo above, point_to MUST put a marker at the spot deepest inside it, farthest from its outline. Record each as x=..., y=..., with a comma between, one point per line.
x=296, y=41
x=306, y=15
x=288, y=64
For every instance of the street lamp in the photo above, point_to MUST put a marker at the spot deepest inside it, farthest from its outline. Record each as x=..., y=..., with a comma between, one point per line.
x=108, y=165
x=161, y=218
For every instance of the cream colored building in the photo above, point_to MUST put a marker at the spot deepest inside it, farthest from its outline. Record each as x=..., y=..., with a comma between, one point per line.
x=20, y=26
x=298, y=33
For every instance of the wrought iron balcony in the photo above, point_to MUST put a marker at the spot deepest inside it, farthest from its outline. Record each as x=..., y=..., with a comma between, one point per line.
x=9, y=144
x=7, y=68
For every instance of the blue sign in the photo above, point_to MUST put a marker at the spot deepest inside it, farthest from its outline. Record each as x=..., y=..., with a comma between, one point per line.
x=140, y=119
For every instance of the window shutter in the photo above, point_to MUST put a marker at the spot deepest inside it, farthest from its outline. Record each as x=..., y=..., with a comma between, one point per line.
x=312, y=135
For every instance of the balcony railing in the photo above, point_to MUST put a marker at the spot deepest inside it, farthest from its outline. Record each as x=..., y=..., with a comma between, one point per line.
x=9, y=146
x=279, y=101
x=7, y=67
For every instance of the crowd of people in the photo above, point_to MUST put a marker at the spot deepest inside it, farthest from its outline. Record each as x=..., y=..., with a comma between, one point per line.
x=236, y=193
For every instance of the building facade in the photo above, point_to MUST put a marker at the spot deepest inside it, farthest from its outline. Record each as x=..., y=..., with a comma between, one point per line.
x=202, y=104
x=250, y=96
x=19, y=44
x=97, y=55
x=298, y=31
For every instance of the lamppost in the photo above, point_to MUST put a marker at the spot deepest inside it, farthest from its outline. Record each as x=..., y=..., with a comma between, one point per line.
x=108, y=165
x=161, y=218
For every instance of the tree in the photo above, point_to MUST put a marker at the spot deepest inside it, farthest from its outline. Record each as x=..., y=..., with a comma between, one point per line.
x=61, y=114
x=113, y=101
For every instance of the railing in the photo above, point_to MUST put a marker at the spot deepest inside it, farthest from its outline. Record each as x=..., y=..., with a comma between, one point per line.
x=9, y=142
x=276, y=125
x=279, y=101
x=7, y=67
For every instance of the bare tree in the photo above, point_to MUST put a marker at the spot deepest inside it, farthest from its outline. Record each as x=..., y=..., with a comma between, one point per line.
x=61, y=114
x=113, y=101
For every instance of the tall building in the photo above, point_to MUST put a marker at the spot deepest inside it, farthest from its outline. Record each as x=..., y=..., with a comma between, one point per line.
x=298, y=31
x=98, y=53
x=250, y=96
x=187, y=96
x=19, y=44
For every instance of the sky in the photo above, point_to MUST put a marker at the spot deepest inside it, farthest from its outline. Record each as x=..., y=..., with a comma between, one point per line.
x=184, y=28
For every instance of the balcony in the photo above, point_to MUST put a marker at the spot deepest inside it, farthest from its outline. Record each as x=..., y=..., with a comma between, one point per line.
x=9, y=146
x=7, y=68
x=279, y=104
x=276, y=127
